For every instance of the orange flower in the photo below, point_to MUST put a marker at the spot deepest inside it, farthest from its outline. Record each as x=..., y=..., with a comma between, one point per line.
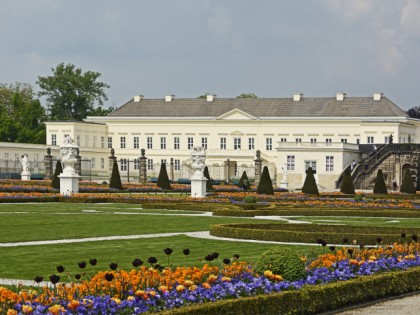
x=56, y=309
x=27, y=309
x=11, y=312
x=73, y=304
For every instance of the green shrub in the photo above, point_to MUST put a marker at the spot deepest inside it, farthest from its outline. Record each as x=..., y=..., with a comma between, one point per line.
x=281, y=261
x=55, y=183
x=347, y=186
x=309, y=186
x=209, y=184
x=250, y=199
x=265, y=186
x=407, y=185
x=115, y=181
x=358, y=197
x=244, y=181
x=163, y=179
x=380, y=187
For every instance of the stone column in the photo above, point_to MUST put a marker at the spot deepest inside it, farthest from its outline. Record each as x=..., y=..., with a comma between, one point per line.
x=78, y=165
x=48, y=162
x=112, y=159
x=172, y=169
x=227, y=171
x=142, y=167
x=258, y=166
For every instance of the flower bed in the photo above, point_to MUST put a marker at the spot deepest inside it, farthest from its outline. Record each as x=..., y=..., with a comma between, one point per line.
x=149, y=290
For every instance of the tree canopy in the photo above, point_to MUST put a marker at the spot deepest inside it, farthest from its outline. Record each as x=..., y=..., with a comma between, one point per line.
x=247, y=95
x=21, y=115
x=72, y=94
x=414, y=112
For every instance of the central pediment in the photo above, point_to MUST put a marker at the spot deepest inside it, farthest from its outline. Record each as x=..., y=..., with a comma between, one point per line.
x=236, y=114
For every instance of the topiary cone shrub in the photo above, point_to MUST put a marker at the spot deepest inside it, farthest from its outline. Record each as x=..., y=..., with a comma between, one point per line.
x=347, y=186
x=209, y=184
x=55, y=183
x=281, y=261
x=407, y=185
x=115, y=181
x=309, y=186
x=163, y=179
x=265, y=186
x=380, y=187
x=241, y=180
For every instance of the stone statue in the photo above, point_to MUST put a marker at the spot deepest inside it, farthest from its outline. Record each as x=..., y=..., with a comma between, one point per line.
x=25, y=164
x=284, y=169
x=198, y=156
x=67, y=140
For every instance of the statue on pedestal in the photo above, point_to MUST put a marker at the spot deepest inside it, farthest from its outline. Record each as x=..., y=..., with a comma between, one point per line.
x=25, y=164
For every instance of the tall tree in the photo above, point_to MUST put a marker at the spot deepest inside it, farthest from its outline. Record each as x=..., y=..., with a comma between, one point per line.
x=414, y=112
x=309, y=186
x=21, y=114
x=407, y=185
x=72, y=94
x=380, y=186
x=163, y=178
x=265, y=186
x=347, y=186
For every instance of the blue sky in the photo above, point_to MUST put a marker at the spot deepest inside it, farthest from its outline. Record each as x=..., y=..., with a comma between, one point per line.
x=189, y=47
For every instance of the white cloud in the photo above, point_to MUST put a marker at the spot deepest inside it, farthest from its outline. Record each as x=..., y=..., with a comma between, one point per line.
x=410, y=17
x=351, y=10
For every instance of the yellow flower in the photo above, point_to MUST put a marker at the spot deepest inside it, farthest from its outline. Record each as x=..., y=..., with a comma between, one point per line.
x=116, y=300
x=11, y=312
x=131, y=298
x=27, y=309
x=56, y=309
x=180, y=288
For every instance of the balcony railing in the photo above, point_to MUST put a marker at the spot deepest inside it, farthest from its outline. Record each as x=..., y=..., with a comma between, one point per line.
x=317, y=145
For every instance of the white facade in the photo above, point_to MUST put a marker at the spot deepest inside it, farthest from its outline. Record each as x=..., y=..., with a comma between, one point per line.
x=327, y=144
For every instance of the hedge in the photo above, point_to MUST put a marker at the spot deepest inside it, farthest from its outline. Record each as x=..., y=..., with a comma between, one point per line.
x=309, y=233
x=187, y=206
x=312, y=299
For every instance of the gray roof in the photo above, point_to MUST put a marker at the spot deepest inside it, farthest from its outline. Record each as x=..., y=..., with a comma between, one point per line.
x=262, y=107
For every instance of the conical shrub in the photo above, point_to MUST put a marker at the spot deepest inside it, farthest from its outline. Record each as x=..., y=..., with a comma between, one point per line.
x=309, y=186
x=407, y=185
x=209, y=184
x=55, y=183
x=347, y=186
x=115, y=182
x=163, y=179
x=380, y=187
x=265, y=186
x=241, y=180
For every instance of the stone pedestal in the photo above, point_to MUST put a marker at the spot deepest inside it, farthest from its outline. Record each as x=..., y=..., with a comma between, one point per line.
x=283, y=184
x=142, y=167
x=69, y=182
x=198, y=185
x=48, y=161
x=25, y=176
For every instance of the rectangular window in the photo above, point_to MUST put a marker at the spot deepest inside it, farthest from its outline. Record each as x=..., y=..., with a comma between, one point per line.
x=163, y=161
x=102, y=163
x=177, y=165
x=358, y=141
x=190, y=143
x=370, y=140
x=298, y=140
x=78, y=141
x=344, y=140
x=136, y=143
x=328, y=141
x=122, y=142
x=93, y=163
x=268, y=144
x=204, y=143
x=123, y=165
x=176, y=143
x=313, y=141
x=136, y=164
x=283, y=140
x=149, y=142
x=150, y=164
x=109, y=142
x=102, y=142
x=53, y=139
x=236, y=143
x=163, y=143
x=222, y=143
x=290, y=162
x=310, y=164
x=329, y=163
x=251, y=143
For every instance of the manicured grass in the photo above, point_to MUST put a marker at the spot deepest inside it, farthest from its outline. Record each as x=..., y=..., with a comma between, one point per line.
x=28, y=261
x=385, y=222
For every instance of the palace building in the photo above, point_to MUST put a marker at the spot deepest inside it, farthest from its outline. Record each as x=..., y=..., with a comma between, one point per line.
x=291, y=134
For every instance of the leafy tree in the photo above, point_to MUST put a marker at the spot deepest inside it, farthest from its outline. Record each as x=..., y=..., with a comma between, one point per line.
x=71, y=94
x=414, y=112
x=55, y=183
x=380, y=187
x=347, y=186
x=407, y=185
x=163, y=179
x=265, y=186
x=21, y=115
x=209, y=184
x=309, y=186
x=247, y=95
x=204, y=95
x=115, y=181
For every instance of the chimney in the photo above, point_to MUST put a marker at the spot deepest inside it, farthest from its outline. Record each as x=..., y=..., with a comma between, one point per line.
x=210, y=97
x=340, y=96
x=169, y=97
x=138, y=98
x=297, y=97
x=377, y=96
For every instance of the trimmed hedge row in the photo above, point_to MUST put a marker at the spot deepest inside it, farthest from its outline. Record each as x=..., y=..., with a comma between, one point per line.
x=313, y=299
x=188, y=206
x=309, y=233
